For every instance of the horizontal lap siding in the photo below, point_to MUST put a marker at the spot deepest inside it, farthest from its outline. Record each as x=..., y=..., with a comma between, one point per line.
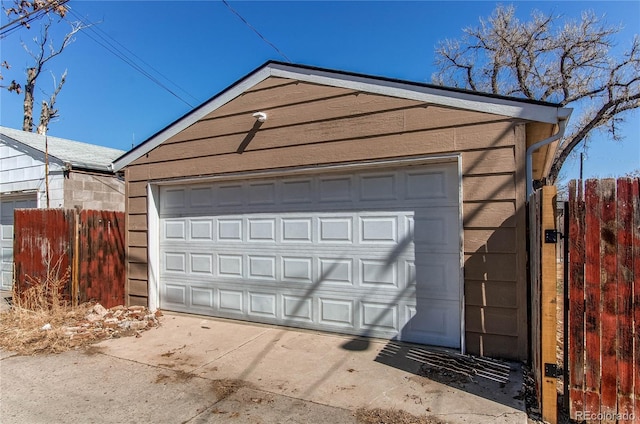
x=311, y=125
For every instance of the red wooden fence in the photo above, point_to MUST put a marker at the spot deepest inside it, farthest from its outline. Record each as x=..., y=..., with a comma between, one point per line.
x=42, y=246
x=89, y=245
x=604, y=300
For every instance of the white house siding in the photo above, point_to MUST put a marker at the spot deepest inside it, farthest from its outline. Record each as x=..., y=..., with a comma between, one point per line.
x=23, y=172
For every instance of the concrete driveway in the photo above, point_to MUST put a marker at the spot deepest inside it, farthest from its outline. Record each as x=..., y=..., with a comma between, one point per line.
x=196, y=370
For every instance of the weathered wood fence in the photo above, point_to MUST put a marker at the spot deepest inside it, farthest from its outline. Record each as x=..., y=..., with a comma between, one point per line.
x=84, y=247
x=604, y=301
x=543, y=278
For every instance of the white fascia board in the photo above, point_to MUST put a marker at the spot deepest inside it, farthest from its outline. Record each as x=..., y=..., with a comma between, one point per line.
x=455, y=99
x=192, y=118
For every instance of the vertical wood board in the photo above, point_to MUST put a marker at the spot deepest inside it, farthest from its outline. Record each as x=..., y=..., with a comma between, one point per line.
x=608, y=288
x=576, y=297
x=593, y=305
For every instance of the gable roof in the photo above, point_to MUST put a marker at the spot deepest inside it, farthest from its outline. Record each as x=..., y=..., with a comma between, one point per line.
x=444, y=96
x=76, y=153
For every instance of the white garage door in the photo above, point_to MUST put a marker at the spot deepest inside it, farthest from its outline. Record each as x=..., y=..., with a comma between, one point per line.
x=7, y=206
x=367, y=253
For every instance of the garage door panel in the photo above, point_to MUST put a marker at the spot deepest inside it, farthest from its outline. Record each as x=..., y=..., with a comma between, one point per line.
x=175, y=294
x=296, y=230
x=202, y=297
x=262, y=304
x=261, y=230
x=229, y=229
x=201, y=230
x=377, y=187
x=335, y=312
x=373, y=253
x=230, y=266
x=335, y=189
x=379, y=316
x=297, y=269
x=231, y=301
x=297, y=308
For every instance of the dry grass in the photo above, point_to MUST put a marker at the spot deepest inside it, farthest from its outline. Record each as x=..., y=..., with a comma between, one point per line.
x=392, y=416
x=42, y=304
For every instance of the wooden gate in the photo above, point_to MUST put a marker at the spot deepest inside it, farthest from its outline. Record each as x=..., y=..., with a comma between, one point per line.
x=86, y=248
x=604, y=301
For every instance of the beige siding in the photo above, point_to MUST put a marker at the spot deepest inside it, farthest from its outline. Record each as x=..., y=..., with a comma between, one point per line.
x=309, y=125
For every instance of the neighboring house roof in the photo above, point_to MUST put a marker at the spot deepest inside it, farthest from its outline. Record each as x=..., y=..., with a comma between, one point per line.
x=76, y=153
x=526, y=109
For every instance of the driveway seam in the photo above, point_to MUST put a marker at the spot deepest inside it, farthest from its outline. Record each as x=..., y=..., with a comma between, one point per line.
x=232, y=350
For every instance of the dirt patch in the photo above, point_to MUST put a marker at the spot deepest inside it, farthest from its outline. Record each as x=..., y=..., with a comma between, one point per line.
x=226, y=387
x=445, y=376
x=93, y=350
x=392, y=416
x=162, y=379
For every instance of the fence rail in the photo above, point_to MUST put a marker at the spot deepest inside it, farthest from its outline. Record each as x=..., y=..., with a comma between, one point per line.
x=604, y=300
x=88, y=244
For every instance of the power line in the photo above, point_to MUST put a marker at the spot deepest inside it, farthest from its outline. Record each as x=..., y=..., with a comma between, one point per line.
x=256, y=31
x=108, y=45
x=34, y=14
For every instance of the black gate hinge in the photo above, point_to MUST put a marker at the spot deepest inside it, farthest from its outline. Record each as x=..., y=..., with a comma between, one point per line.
x=551, y=236
x=551, y=370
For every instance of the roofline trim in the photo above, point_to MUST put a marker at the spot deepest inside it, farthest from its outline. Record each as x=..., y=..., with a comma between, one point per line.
x=547, y=113
x=192, y=117
x=455, y=98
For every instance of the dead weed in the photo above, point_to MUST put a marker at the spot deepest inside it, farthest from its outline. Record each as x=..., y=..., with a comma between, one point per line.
x=392, y=416
x=41, y=319
x=29, y=332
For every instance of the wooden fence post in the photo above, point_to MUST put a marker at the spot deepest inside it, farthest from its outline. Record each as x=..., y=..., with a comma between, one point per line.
x=548, y=306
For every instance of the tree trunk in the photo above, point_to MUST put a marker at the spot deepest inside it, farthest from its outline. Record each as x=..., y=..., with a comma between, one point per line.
x=44, y=119
x=27, y=123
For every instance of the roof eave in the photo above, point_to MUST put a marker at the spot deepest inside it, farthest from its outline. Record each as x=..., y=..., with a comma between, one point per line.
x=455, y=98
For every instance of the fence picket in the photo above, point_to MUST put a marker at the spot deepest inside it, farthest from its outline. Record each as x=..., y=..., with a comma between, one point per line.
x=592, y=297
x=576, y=297
x=636, y=293
x=624, y=299
x=608, y=290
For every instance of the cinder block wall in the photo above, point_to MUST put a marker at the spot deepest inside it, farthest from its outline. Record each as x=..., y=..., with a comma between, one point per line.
x=93, y=191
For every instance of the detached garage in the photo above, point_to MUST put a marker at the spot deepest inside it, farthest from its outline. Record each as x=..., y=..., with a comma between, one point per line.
x=341, y=202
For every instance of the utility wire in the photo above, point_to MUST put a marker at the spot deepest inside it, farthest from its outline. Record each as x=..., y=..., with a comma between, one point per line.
x=34, y=14
x=256, y=31
x=102, y=34
x=107, y=45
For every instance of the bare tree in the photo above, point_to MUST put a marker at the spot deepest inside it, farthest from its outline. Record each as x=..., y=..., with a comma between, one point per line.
x=570, y=63
x=45, y=50
x=48, y=110
x=25, y=11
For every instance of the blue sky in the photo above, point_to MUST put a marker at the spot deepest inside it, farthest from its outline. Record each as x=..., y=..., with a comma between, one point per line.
x=201, y=47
